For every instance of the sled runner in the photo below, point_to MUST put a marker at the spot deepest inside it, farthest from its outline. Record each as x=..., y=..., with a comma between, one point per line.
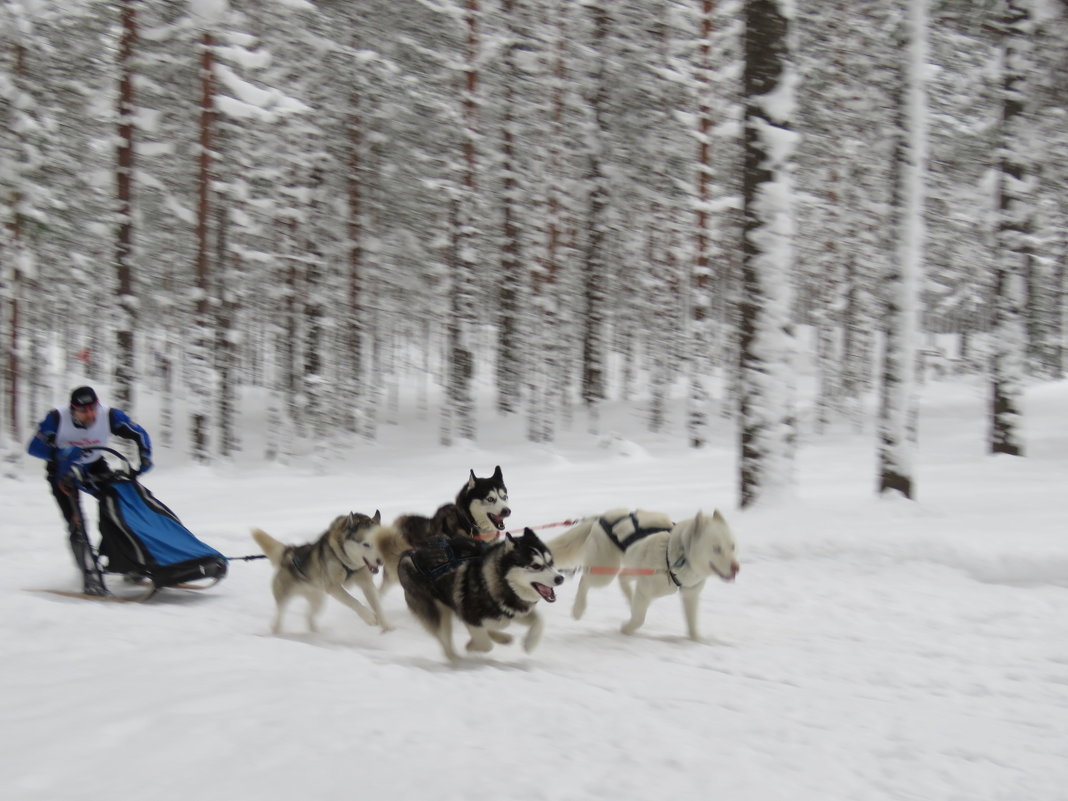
x=145, y=541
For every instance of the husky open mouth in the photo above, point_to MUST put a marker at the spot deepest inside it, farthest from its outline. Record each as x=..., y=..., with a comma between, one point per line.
x=497, y=520
x=545, y=592
x=372, y=567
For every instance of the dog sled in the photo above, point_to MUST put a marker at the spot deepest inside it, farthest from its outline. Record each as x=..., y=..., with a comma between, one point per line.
x=144, y=541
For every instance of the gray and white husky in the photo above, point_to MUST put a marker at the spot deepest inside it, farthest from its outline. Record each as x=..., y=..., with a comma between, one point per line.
x=344, y=554
x=479, y=512
x=485, y=586
x=652, y=557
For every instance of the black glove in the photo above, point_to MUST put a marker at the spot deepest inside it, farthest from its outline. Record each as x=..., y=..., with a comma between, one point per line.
x=146, y=463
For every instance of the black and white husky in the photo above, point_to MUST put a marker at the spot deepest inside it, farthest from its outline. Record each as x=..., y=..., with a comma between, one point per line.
x=478, y=512
x=485, y=586
x=651, y=556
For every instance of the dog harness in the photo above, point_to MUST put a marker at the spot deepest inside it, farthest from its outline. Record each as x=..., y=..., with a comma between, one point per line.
x=298, y=558
x=639, y=533
x=448, y=560
x=678, y=564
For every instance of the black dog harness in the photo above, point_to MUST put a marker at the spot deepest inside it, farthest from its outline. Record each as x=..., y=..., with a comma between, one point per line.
x=639, y=532
x=447, y=561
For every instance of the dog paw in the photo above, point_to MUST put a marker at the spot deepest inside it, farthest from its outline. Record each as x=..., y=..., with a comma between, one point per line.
x=479, y=647
x=502, y=637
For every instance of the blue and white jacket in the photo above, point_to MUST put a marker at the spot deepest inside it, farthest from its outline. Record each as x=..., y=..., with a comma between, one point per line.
x=58, y=430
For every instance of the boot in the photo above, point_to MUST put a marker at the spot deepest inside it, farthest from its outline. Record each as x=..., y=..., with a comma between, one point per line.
x=92, y=579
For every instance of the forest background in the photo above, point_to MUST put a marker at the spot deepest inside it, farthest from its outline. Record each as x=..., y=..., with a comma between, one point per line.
x=570, y=203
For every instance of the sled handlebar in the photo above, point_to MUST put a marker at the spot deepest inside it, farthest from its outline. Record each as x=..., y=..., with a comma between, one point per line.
x=129, y=467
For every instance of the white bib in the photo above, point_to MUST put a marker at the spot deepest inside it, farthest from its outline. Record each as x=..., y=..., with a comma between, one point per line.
x=95, y=435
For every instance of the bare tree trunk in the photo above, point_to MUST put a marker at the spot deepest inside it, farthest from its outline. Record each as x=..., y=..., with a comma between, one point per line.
x=14, y=308
x=701, y=279
x=897, y=407
x=355, y=328
x=1013, y=237
x=125, y=356
x=458, y=414
x=766, y=416
x=201, y=385
x=594, y=266
x=508, y=338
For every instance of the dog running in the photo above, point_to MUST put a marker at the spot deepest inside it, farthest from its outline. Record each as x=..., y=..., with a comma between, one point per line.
x=478, y=512
x=485, y=586
x=344, y=554
x=652, y=557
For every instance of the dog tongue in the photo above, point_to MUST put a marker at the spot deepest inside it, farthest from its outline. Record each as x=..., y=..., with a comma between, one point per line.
x=546, y=591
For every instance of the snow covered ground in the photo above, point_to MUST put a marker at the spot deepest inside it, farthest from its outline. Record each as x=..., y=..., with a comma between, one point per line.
x=870, y=648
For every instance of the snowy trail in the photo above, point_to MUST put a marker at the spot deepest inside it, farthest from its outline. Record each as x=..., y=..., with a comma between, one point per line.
x=870, y=649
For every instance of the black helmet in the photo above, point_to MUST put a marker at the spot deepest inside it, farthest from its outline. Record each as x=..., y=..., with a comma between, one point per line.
x=83, y=398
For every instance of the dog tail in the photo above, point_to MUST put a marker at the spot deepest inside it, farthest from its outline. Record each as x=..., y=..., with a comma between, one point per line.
x=269, y=545
x=391, y=546
x=567, y=548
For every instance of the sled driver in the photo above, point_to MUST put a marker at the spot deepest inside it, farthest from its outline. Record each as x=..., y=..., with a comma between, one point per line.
x=60, y=440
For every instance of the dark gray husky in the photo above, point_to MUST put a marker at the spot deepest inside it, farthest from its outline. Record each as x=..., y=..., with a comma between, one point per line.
x=486, y=586
x=478, y=512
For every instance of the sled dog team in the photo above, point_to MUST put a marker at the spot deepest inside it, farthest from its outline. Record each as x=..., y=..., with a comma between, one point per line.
x=455, y=565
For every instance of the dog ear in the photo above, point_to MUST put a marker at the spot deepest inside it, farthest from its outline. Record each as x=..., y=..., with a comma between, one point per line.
x=471, y=481
x=377, y=519
x=498, y=475
x=718, y=517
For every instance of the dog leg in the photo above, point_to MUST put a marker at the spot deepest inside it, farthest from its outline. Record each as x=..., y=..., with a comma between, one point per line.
x=315, y=606
x=370, y=592
x=389, y=578
x=537, y=626
x=276, y=623
x=281, y=598
x=444, y=633
x=579, y=607
x=690, y=596
x=365, y=614
x=481, y=640
x=639, y=606
x=502, y=637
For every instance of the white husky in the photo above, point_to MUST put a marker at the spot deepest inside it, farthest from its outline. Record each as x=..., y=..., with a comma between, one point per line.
x=652, y=557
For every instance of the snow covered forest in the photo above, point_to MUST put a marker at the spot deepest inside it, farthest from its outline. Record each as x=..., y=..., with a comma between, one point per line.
x=568, y=203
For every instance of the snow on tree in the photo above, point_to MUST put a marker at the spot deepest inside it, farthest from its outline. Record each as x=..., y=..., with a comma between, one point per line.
x=1015, y=187
x=766, y=416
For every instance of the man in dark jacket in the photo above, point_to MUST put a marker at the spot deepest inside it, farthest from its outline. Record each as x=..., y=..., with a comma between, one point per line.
x=61, y=440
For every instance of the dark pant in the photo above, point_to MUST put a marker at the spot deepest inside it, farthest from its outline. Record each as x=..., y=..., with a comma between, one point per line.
x=66, y=493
